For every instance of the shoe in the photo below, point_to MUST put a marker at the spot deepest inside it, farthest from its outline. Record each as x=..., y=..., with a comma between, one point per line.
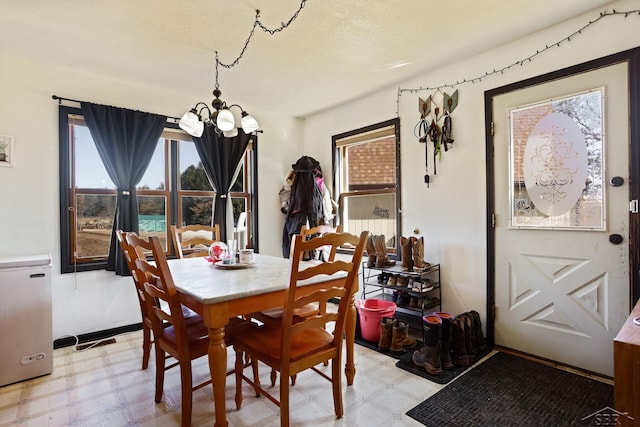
x=428, y=356
x=403, y=299
x=445, y=340
x=407, y=258
x=402, y=281
x=382, y=260
x=459, y=355
x=400, y=340
x=371, y=251
x=480, y=341
x=417, y=248
x=386, y=333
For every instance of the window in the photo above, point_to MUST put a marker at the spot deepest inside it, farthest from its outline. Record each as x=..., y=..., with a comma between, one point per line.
x=173, y=190
x=367, y=179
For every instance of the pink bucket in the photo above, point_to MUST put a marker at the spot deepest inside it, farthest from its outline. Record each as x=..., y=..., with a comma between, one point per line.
x=370, y=312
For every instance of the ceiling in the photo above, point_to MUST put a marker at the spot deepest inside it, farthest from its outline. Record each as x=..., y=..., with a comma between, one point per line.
x=334, y=52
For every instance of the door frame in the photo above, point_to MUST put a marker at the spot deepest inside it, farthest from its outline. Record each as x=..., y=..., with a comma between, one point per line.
x=632, y=58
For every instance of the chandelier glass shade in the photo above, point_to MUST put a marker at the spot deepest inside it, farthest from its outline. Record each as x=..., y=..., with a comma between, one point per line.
x=220, y=117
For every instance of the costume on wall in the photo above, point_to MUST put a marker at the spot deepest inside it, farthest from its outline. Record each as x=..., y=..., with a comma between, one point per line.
x=305, y=202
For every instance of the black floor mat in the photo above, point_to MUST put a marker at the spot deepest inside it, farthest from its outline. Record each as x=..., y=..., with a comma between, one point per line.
x=507, y=390
x=447, y=375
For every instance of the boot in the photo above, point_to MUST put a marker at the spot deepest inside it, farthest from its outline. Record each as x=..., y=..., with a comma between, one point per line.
x=481, y=343
x=445, y=343
x=386, y=331
x=469, y=336
x=382, y=260
x=417, y=249
x=407, y=258
x=400, y=340
x=459, y=355
x=429, y=355
x=371, y=251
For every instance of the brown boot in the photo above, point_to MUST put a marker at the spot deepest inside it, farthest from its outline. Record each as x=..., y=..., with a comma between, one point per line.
x=371, y=251
x=429, y=356
x=407, y=258
x=400, y=340
x=386, y=332
x=459, y=355
x=445, y=344
x=417, y=248
x=382, y=260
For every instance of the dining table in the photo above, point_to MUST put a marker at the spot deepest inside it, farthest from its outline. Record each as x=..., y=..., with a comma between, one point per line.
x=218, y=292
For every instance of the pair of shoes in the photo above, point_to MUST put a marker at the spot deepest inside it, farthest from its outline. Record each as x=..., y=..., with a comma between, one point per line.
x=468, y=339
x=394, y=336
x=413, y=254
x=435, y=355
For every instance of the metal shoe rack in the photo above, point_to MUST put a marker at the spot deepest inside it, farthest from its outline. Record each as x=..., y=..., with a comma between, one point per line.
x=420, y=296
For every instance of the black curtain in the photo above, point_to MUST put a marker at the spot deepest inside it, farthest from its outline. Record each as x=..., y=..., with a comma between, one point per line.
x=126, y=141
x=220, y=158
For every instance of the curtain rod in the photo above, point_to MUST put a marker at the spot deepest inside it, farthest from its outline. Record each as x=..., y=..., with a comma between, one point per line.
x=60, y=99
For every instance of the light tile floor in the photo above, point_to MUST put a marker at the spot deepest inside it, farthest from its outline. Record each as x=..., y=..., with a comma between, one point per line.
x=104, y=386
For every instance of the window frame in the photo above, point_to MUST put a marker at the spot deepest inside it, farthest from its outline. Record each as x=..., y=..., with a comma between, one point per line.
x=68, y=259
x=338, y=172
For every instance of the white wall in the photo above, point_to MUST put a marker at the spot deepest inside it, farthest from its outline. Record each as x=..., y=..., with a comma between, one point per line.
x=450, y=214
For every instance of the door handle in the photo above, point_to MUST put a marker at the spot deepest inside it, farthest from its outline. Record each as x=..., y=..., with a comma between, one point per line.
x=616, y=239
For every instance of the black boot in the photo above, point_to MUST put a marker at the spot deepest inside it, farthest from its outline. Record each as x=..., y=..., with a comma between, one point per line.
x=459, y=355
x=445, y=346
x=470, y=337
x=429, y=355
x=481, y=343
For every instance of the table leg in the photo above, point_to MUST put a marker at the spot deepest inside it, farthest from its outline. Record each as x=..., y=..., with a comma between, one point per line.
x=350, y=334
x=218, y=370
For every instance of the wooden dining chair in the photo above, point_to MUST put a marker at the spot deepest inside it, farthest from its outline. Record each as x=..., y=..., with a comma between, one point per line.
x=275, y=314
x=173, y=335
x=130, y=256
x=295, y=345
x=194, y=240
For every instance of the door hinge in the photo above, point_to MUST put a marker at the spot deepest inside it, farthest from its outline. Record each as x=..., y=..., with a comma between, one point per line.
x=493, y=129
x=493, y=220
x=633, y=206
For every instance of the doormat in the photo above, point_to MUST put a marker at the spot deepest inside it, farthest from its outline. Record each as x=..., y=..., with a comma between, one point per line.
x=447, y=375
x=374, y=346
x=507, y=390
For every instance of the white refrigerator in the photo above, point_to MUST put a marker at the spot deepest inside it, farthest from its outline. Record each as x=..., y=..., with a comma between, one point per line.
x=26, y=337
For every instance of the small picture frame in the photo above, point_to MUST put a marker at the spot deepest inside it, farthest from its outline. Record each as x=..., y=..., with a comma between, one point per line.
x=7, y=150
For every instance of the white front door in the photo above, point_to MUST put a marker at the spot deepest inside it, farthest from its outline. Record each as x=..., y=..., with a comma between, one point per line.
x=564, y=294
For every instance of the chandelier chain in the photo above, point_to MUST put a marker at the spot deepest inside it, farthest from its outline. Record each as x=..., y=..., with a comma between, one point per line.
x=258, y=23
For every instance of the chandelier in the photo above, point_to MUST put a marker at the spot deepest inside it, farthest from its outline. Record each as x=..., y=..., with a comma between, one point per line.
x=220, y=116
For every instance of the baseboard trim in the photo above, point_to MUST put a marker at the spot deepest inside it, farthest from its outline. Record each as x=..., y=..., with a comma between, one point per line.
x=95, y=336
